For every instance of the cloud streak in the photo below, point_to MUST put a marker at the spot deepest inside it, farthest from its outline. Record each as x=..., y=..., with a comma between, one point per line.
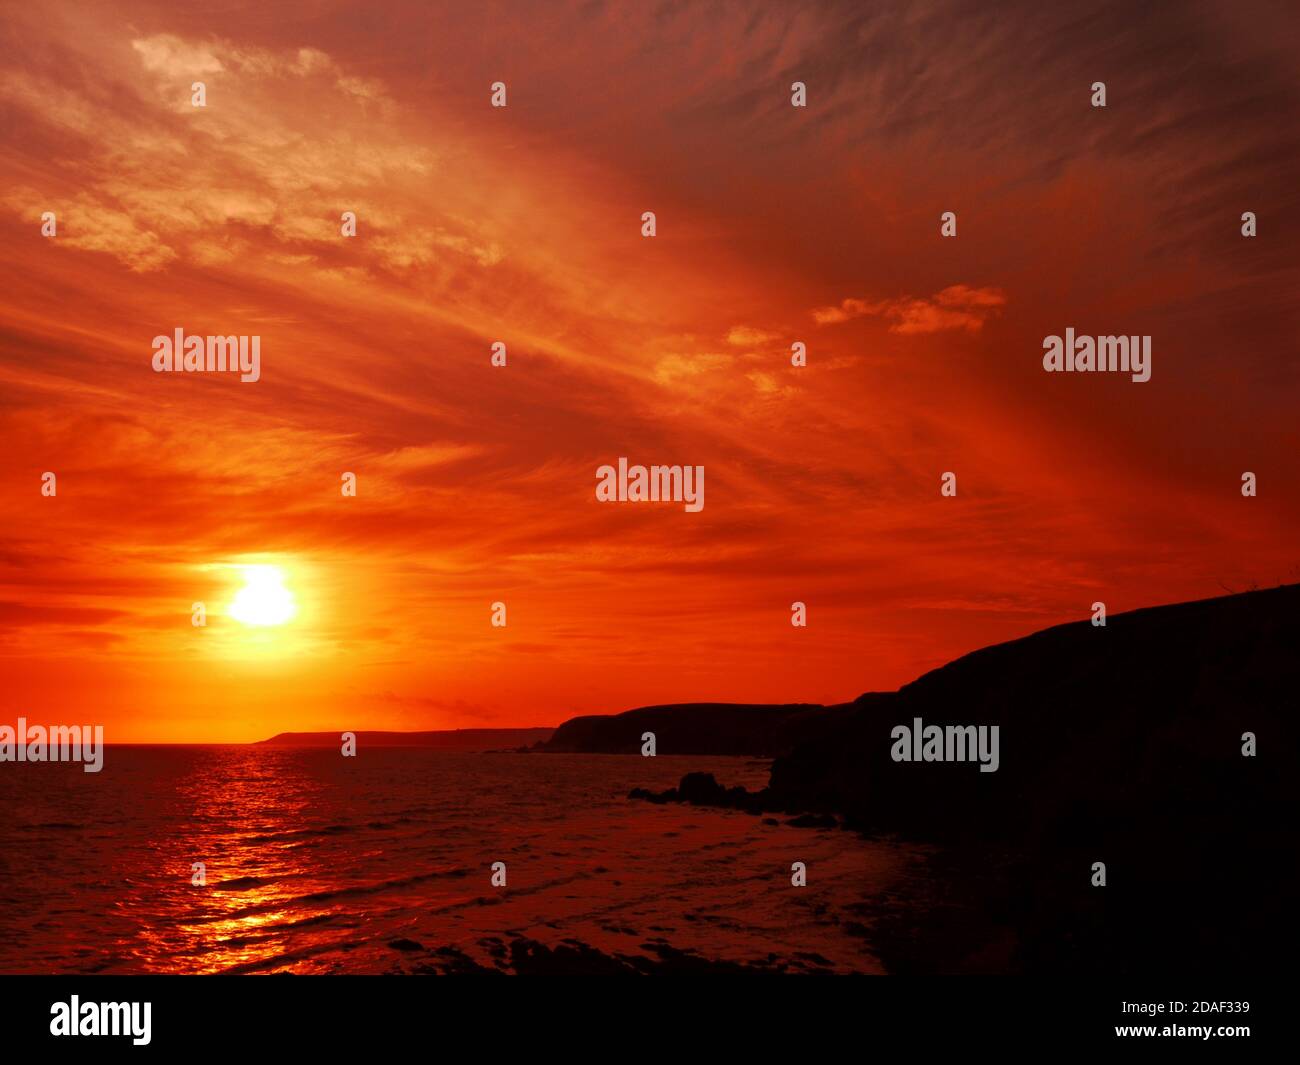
x=957, y=307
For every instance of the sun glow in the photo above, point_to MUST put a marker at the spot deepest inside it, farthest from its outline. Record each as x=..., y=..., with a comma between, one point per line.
x=263, y=600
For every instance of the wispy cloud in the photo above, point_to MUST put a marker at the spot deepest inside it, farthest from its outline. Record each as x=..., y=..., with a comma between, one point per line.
x=956, y=307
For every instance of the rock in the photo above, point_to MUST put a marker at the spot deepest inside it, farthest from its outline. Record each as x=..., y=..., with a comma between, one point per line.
x=701, y=789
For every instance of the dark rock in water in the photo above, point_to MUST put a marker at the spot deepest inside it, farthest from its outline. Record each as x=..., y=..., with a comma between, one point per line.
x=405, y=944
x=703, y=789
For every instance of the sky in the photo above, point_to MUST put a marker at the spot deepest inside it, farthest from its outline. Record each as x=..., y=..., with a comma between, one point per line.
x=522, y=224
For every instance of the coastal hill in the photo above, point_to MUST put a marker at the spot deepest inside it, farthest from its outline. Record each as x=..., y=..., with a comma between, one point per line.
x=1103, y=722
x=760, y=731
x=461, y=739
x=1162, y=746
x=1154, y=701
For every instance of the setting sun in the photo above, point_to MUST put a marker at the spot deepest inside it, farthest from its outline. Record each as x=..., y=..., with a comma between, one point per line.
x=263, y=600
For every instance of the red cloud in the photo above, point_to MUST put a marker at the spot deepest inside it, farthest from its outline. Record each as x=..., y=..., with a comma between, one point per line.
x=956, y=307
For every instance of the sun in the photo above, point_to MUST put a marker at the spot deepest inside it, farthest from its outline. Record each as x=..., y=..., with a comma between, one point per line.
x=263, y=600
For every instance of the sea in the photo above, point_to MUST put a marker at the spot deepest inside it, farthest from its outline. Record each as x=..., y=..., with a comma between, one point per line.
x=251, y=859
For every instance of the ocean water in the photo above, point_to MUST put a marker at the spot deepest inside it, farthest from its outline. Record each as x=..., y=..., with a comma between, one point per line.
x=382, y=863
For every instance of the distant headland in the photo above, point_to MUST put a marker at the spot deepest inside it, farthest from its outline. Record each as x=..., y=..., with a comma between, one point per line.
x=472, y=740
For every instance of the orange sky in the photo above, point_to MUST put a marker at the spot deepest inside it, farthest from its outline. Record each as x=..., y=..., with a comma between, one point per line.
x=476, y=484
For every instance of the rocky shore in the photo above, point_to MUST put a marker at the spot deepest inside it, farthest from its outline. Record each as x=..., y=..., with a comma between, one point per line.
x=1142, y=814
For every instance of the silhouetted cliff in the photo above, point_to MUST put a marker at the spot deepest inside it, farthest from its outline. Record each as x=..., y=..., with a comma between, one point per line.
x=1149, y=709
x=1121, y=745
x=760, y=731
